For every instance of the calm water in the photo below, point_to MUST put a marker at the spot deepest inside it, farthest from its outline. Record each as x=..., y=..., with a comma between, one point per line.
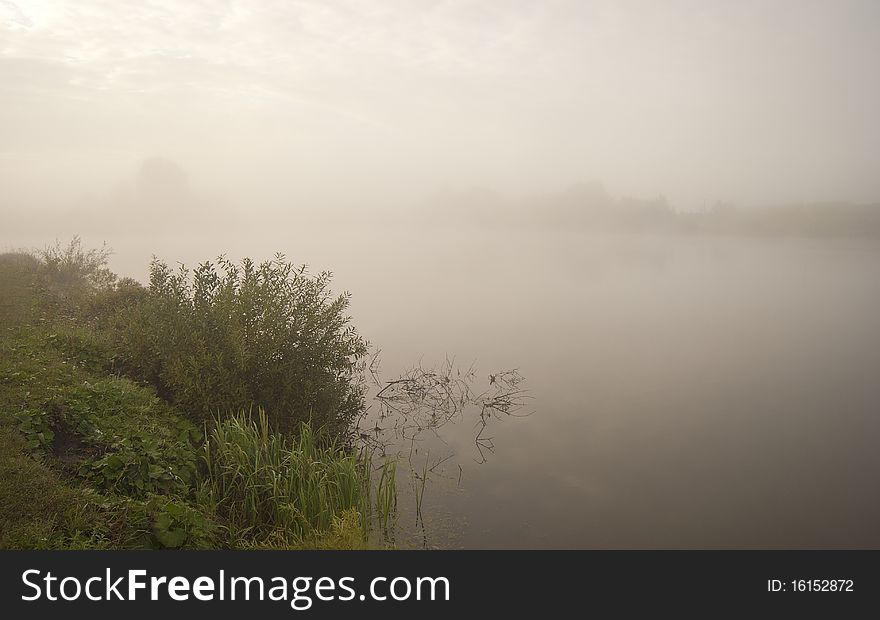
x=686, y=392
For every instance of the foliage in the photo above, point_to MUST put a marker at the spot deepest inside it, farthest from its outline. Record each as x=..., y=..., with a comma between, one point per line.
x=142, y=464
x=70, y=267
x=41, y=509
x=179, y=524
x=83, y=348
x=90, y=459
x=227, y=337
x=69, y=275
x=107, y=305
x=143, y=446
x=346, y=532
x=120, y=435
x=37, y=431
x=18, y=281
x=270, y=485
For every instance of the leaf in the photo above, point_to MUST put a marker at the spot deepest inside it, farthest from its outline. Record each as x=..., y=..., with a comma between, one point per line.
x=175, y=510
x=171, y=538
x=113, y=463
x=163, y=522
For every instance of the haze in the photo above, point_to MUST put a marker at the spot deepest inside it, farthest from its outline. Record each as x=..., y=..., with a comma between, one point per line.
x=362, y=104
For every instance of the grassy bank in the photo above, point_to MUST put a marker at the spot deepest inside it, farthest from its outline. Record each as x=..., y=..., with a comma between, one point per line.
x=105, y=437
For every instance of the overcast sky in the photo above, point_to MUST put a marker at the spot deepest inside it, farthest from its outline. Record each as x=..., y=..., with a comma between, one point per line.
x=748, y=101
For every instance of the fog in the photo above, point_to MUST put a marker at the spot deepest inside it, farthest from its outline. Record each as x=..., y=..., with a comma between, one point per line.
x=665, y=215
x=362, y=104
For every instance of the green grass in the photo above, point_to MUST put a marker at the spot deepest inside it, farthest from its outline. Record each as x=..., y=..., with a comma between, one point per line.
x=81, y=452
x=114, y=432
x=286, y=489
x=38, y=510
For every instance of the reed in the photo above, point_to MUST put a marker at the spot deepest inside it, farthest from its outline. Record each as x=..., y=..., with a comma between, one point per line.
x=419, y=480
x=386, y=493
x=267, y=485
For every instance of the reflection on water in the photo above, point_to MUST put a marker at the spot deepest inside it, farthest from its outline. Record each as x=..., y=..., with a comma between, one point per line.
x=407, y=418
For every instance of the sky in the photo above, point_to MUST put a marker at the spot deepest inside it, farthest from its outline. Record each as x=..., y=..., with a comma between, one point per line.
x=364, y=102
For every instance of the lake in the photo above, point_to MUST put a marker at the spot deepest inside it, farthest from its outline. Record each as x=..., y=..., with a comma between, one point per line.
x=686, y=392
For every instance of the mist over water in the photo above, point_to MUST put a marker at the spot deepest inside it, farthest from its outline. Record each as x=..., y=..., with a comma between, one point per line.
x=666, y=219
x=687, y=392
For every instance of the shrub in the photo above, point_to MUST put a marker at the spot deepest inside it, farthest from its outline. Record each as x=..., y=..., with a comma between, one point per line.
x=19, y=278
x=229, y=336
x=108, y=304
x=69, y=275
x=71, y=267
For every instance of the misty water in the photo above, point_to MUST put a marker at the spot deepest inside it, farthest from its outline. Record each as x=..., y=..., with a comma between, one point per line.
x=685, y=391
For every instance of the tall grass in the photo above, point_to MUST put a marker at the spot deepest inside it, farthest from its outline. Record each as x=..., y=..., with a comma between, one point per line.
x=386, y=494
x=271, y=486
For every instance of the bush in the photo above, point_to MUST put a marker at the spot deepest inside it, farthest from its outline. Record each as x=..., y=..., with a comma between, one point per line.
x=71, y=267
x=70, y=275
x=111, y=303
x=228, y=337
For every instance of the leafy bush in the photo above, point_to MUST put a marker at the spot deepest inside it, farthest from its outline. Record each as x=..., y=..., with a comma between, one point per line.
x=71, y=267
x=107, y=305
x=69, y=275
x=229, y=336
x=19, y=278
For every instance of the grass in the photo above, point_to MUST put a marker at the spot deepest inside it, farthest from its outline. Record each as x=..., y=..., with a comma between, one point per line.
x=38, y=510
x=81, y=452
x=287, y=489
x=386, y=493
